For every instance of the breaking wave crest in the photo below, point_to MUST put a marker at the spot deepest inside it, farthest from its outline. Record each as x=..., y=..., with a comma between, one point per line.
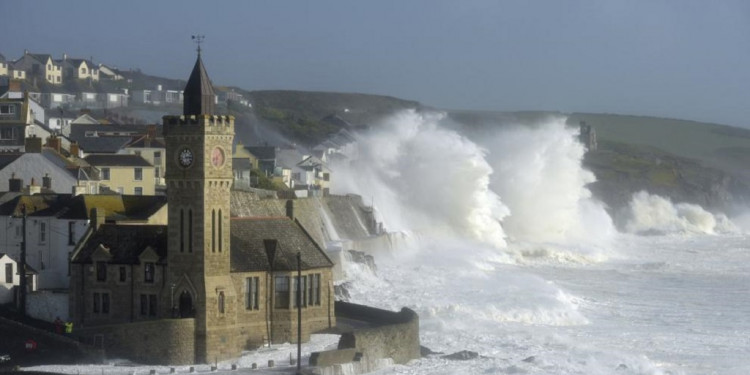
x=654, y=214
x=523, y=183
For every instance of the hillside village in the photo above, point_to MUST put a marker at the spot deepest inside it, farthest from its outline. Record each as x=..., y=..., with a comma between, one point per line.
x=113, y=216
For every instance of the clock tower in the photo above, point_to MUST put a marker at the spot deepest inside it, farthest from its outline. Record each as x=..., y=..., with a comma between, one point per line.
x=199, y=177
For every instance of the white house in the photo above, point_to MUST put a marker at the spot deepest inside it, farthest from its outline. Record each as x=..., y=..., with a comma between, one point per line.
x=55, y=223
x=8, y=277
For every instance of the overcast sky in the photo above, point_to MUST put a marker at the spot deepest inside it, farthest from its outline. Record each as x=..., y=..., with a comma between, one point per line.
x=677, y=58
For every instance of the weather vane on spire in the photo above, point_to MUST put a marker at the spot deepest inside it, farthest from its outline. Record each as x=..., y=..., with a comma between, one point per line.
x=198, y=39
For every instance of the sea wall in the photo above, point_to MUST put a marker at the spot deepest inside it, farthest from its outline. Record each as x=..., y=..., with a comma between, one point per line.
x=145, y=341
x=389, y=337
x=326, y=219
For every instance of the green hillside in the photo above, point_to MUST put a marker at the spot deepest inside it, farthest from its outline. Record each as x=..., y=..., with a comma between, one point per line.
x=712, y=143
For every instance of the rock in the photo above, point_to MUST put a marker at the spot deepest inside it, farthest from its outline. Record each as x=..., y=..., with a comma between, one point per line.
x=364, y=259
x=463, y=355
x=425, y=351
x=342, y=292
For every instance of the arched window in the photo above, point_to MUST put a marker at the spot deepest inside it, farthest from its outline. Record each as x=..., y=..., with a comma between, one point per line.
x=221, y=302
x=221, y=233
x=213, y=231
x=182, y=230
x=190, y=230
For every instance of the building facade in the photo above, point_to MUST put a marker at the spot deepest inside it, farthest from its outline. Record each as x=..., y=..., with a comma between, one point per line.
x=229, y=282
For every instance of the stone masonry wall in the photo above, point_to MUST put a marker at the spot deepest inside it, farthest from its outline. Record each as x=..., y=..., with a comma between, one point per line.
x=393, y=335
x=145, y=342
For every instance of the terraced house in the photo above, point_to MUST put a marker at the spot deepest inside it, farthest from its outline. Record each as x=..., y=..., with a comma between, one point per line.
x=41, y=66
x=207, y=283
x=124, y=174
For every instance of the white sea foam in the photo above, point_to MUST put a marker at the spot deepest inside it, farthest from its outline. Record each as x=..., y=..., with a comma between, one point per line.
x=426, y=179
x=550, y=301
x=649, y=213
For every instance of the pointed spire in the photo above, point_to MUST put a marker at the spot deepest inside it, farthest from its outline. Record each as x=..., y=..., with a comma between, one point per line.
x=199, y=96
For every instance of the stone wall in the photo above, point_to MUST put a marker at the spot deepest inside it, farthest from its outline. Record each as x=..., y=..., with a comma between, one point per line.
x=390, y=335
x=347, y=215
x=145, y=341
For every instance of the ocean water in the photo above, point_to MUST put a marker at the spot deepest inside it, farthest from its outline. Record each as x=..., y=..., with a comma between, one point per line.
x=503, y=251
x=673, y=304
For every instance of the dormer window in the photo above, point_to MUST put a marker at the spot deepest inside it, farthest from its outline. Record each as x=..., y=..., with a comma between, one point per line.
x=101, y=271
x=7, y=109
x=148, y=272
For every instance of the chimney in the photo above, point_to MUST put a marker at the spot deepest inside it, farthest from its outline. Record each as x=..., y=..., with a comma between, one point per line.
x=25, y=52
x=54, y=143
x=33, y=145
x=75, y=151
x=290, y=209
x=14, y=85
x=47, y=181
x=34, y=188
x=65, y=56
x=78, y=190
x=14, y=184
x=151, y=132
x=97, y=217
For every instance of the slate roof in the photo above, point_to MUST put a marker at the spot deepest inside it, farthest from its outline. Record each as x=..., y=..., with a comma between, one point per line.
x=262, y=152
x=36, y=205
x=141, y=141
x=42, y=57
x=117, y=160
x=102, y=144
x=125, y=243
x=116, y=207
x=2, y=58
x=7, y=158
x=248, y=252
x=199, y=95
x=241, y=164
x=70, y=207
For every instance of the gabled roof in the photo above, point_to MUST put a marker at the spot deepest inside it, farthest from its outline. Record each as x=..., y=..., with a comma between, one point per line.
x=36, y=205
x=241, y=164
x=42, y=57
x=116, y=207
x=311, y=161
x=144, y=141
x=78, y=62
x=125, y=243
x=262, y=152
x=7, y=158
x=199, y=96
x=117, y=160
x=2, y=58
x=249, y=254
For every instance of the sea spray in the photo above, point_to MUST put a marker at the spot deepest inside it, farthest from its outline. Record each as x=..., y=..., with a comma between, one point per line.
x=538, y=174
x=654, y=214
x=426, y=179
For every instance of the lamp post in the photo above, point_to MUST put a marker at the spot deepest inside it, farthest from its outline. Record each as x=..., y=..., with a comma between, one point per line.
x=22, y=265
x=299, y=313
x=270, y=246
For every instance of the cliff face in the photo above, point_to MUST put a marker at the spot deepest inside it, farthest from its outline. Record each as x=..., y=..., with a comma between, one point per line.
x=623, y=169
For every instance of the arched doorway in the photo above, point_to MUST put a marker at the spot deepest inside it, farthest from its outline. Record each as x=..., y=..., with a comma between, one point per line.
x=186, y=305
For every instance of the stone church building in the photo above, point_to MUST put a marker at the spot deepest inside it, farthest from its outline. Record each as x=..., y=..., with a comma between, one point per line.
x=206, y=286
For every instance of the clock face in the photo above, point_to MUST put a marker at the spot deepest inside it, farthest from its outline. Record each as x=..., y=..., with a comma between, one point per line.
x=185, y=157
x=217, y=157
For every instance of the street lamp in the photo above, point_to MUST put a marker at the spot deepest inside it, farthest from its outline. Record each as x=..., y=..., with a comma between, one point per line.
x=270, y=246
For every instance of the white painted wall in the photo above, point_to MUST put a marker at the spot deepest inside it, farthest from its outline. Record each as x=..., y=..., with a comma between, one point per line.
x=6, y=294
